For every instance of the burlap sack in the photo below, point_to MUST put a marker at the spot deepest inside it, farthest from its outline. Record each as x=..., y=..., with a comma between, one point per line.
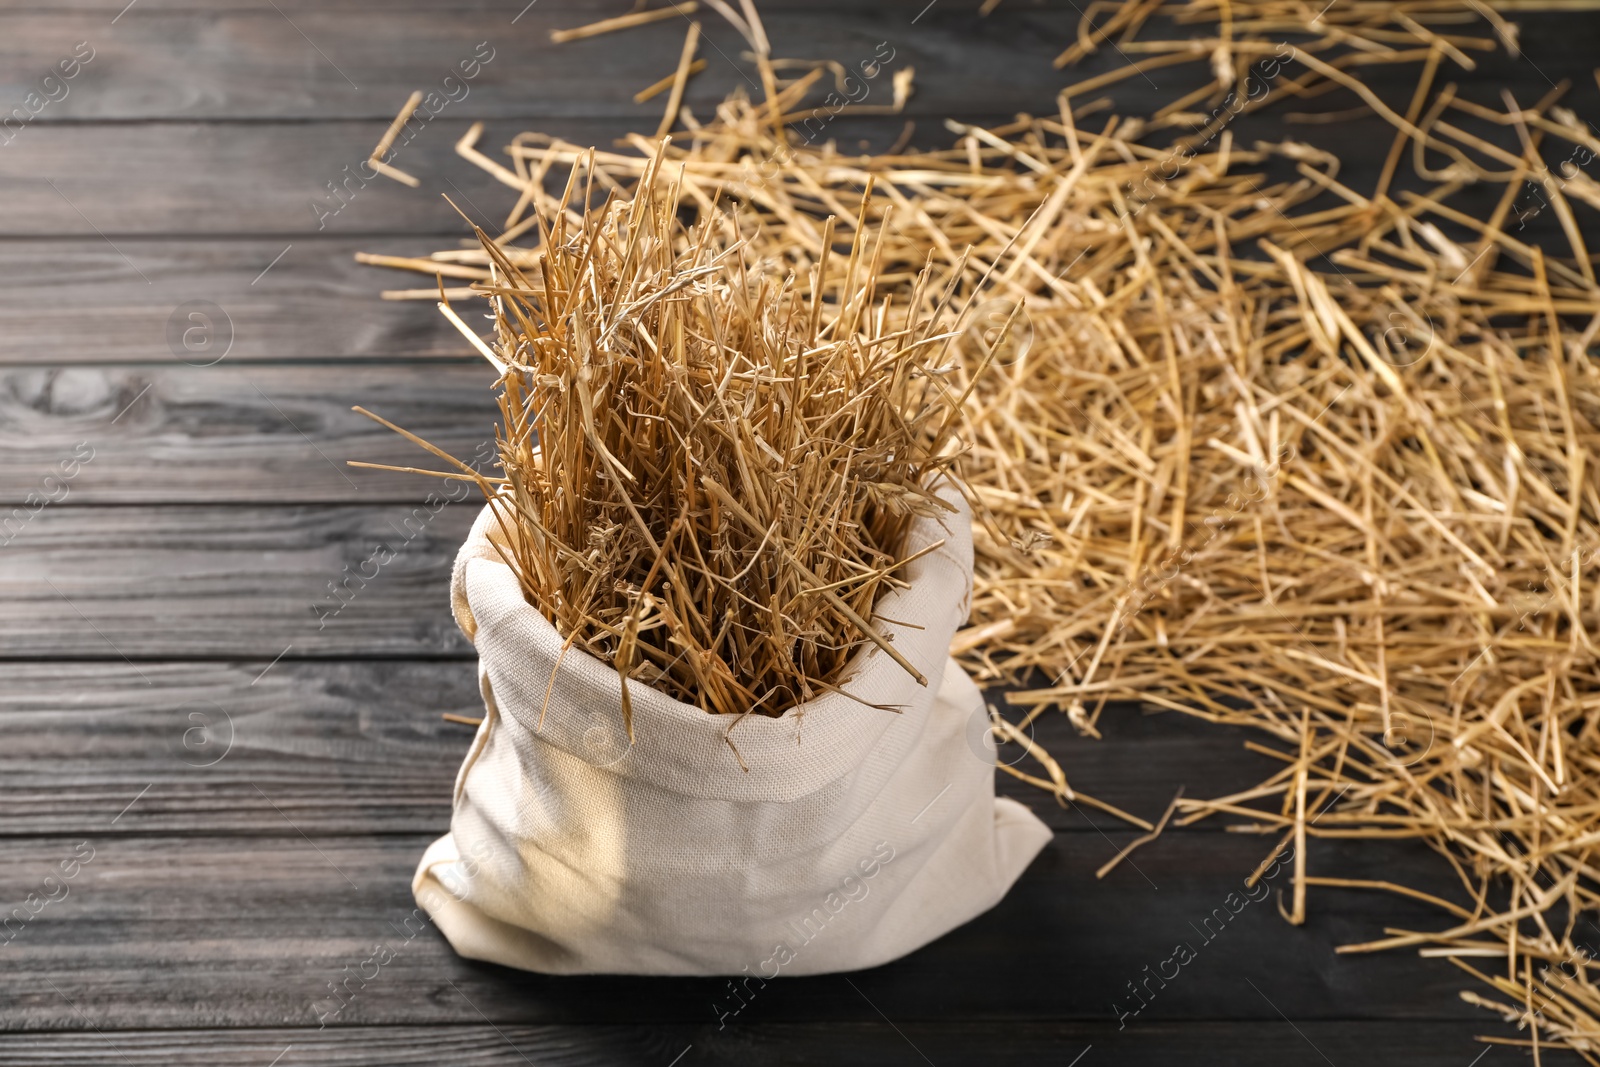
x=856, y=835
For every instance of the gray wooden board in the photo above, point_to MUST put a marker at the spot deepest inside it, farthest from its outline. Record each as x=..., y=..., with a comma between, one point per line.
x=76, y=301
x=165, y=607
x=232, y=434
x=195, y=177
x=1267, y=1043
x=360, y=61
x=260, y=64
x=353, y=746
x=269, y=179
x=250, y=932
x=251, y=581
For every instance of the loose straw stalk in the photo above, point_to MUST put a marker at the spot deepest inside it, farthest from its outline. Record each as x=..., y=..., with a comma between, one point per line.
x=624, y=22
x=375, y=160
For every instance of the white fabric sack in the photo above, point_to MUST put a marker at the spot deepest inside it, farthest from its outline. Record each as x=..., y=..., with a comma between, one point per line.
x=856, y=836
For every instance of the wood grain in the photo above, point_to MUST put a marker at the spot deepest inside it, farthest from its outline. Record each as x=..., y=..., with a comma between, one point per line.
x=249, y=931
x=246, y=582
x=257, y=64
x=315, y=302
x=246, y=62
x=359, y=746
x=194, y=548
x=277, y=173
x=1024, y=1044
x=235, y=434
x=347, y=747
x=167, y=178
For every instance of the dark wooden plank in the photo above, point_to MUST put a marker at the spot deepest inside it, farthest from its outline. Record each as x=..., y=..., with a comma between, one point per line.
x=197, y=930
x=259, y=64
x=232, y=434
x=248, y=582
x=447, y=8
x=204, y=178
x=194, y=178
x=271, y=177
x=357, y=62
x=250, y=931
x=948, y=1044
x=359, y=747
x=506, y=10
x=346, y=747
x=315, y=301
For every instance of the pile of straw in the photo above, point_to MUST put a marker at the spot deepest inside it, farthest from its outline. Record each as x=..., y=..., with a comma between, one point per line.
x=704, y=483
x=1262, y=447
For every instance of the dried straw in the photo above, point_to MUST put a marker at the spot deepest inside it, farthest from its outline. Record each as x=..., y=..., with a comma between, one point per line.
x=624, y=22
x=655, y=89
x=1264, y=448
x=709, y=469
x=375, y=159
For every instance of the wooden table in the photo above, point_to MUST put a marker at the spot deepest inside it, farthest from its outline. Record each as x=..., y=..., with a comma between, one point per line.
x=241, y=779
